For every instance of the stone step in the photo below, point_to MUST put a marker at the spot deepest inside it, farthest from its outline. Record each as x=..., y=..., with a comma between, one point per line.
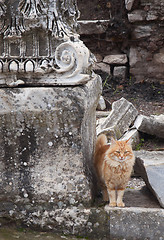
x=97, y=223
x=136, y=223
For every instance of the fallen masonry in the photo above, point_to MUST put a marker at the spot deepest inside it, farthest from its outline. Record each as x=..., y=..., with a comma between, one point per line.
x=124, y=122
x=153, y=125
x=150, y=166
x=120, y=118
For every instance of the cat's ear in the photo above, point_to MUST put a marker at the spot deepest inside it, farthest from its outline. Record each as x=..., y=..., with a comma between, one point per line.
x=128, y=141
x=113, y=141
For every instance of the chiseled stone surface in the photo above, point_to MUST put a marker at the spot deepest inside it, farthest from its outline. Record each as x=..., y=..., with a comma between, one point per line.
x=121, y=117
x=97, y=223
x=116, y=59
x=153, y=125
x=46, y=145
x=42, y=48
x=134, y=137
x=136, y=223
x=150, y=166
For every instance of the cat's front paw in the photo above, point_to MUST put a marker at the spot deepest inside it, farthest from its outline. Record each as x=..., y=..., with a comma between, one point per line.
x=120, y=204
x=112, y=204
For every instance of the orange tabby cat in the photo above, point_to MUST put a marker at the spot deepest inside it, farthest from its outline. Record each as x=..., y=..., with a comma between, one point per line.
x=113, y=165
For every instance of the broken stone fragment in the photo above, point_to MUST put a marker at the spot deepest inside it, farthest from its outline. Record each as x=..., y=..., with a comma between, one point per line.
x=92, y=26
x=136, y=223
x=150, y=166
x=116, y=59
x=134, y=137
x=137, y=15
x=129, y=4
x=153, y=125
x=142, y=31
x=101, y=104
x=123, y=115
x=102, y=66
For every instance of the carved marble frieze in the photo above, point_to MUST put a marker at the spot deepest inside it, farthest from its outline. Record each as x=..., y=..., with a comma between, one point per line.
x=38, y=44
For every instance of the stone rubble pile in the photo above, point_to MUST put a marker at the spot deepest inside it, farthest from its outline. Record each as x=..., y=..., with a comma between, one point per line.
x=124, y=122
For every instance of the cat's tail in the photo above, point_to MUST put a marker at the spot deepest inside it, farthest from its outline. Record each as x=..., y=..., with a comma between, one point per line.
x=101, y=141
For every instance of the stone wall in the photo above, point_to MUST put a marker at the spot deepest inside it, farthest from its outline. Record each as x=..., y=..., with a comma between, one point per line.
x=135, y=33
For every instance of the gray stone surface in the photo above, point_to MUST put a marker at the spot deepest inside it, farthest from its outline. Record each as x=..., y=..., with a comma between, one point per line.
x=116, y=59
x=92, y=26
x=129, y=4
x=102, y=66
x=101, y=104
x=120, y=72
x=136, y=223
x=137, y=16
x=133, y=134
x=96, y=223
x=121, y=117
x=153, y=125
x=46, y=146
x=150, y=166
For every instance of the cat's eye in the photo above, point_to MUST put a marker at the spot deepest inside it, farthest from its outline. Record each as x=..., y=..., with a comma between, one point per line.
x=126, y=152
x=118, y=152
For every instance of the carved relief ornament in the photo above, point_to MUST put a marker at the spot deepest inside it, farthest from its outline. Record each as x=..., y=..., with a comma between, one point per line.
x=38, y=44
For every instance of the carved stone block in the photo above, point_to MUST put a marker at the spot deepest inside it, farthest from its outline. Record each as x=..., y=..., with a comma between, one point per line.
x=123, y=115
x=38, y=44
x=46, y=145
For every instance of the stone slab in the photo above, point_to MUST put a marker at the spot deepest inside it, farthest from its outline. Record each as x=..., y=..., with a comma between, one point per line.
x=153, y=125
x=129, y=4
x=116, y=59
x=121, y=117
x=94, y=223
x=120, y=72
x=89, y=27
x=137, y=16
x=103, y=67
x=136, y=223
x=150, y=166
x=133, y=134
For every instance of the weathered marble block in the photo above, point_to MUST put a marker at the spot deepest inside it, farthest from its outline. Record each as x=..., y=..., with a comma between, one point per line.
x=153, y=125
x=46, y=144
x=120, y=118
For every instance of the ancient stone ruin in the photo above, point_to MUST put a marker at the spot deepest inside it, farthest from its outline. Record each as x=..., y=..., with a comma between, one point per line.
x=39, y=45
x=124, y=122
x=48, y=99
